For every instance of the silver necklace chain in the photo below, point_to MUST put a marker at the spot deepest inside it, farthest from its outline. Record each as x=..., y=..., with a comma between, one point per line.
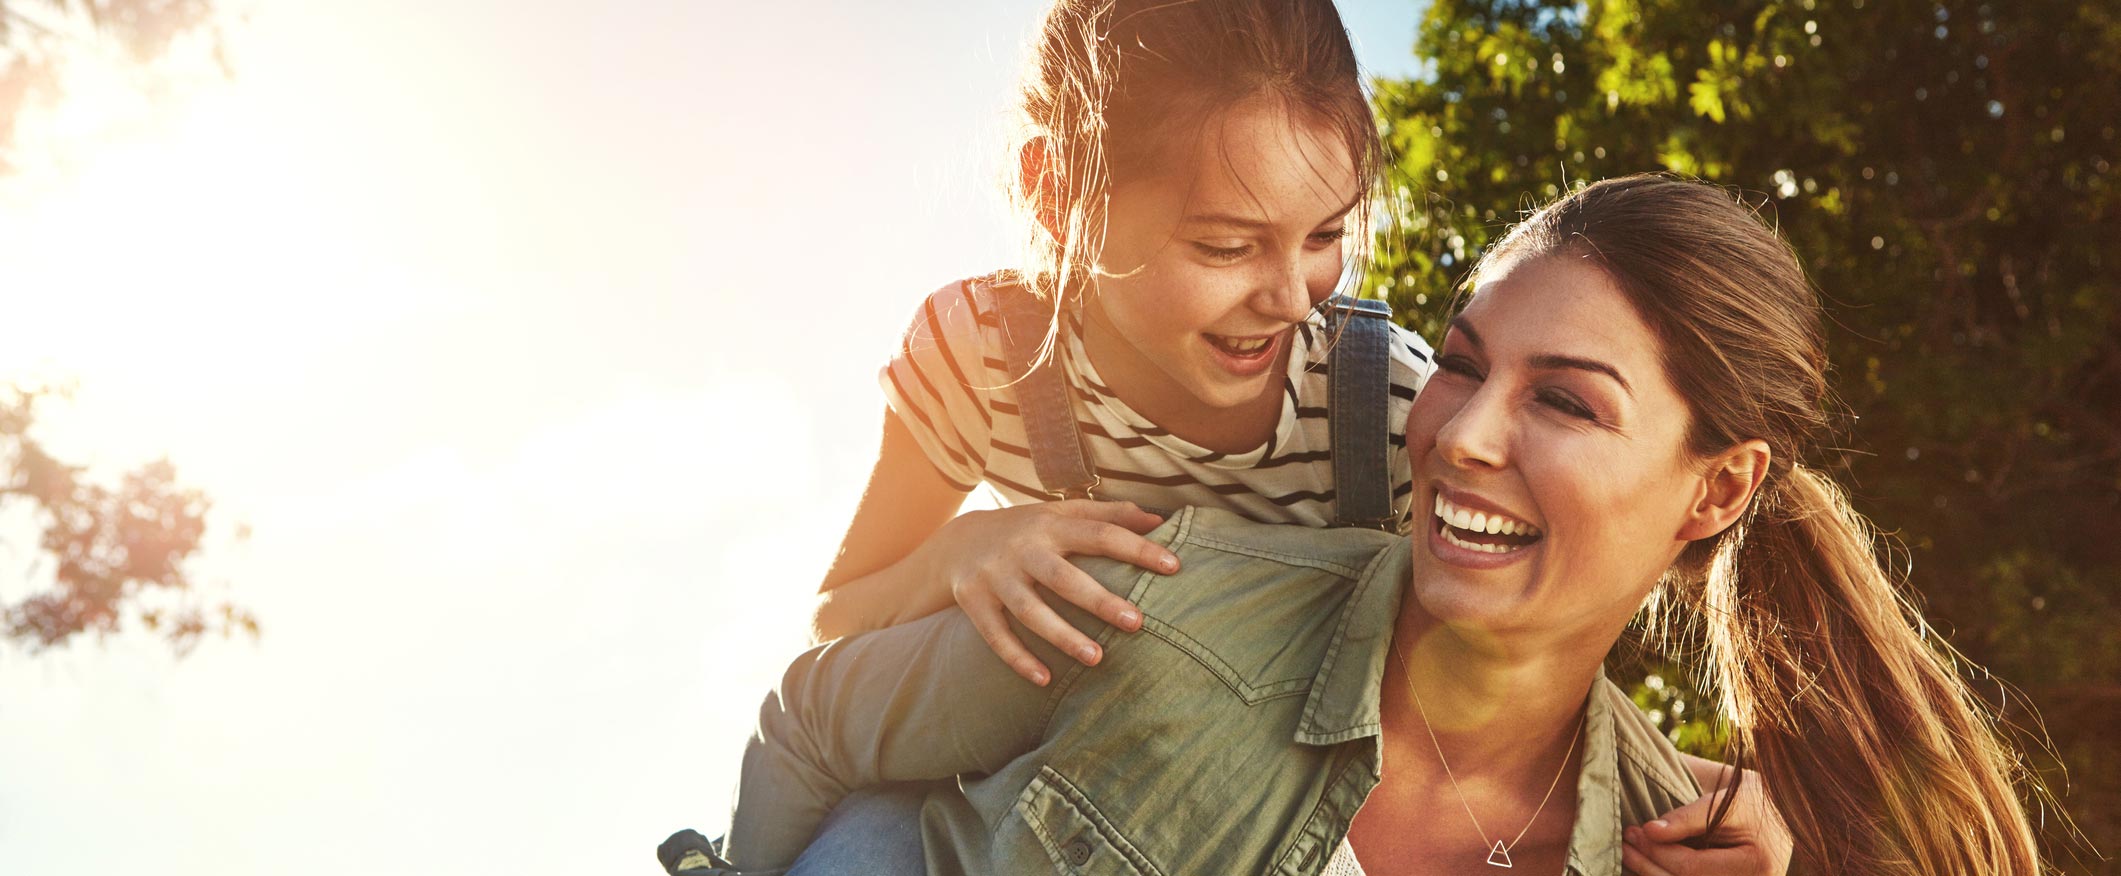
x=1498, y=851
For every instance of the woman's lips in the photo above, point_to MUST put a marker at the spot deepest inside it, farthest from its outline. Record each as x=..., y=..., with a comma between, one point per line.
x=1470, y=549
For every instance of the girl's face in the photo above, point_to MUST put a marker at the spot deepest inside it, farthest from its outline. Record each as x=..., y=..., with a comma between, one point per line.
x=1207, y=268
x=1550, y=448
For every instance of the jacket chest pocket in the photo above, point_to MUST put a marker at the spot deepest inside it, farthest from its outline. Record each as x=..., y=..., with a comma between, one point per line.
x=1079, y=839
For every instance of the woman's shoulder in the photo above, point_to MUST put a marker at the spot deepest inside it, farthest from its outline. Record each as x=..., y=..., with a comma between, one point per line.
x=1653, y=775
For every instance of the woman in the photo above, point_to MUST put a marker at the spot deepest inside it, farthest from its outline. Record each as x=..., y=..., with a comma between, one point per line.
x=1621, y=410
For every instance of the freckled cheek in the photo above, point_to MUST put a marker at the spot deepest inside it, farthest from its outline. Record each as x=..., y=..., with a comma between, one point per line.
x=1323, y=274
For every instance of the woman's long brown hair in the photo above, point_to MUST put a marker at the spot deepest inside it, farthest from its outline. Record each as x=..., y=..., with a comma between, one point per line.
x=1877, y=754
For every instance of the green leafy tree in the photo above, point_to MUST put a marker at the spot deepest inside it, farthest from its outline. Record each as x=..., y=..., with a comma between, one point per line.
x=1946, y=171
x=115, y=553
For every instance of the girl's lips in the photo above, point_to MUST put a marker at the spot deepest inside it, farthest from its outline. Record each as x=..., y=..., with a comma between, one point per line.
x=1248, y=364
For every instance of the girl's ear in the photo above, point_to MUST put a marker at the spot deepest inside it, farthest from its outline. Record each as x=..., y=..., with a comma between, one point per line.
x=1038, y=169
x=1727, y=488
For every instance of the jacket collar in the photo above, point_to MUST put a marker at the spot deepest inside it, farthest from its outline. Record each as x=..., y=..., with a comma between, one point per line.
x=1343, y=701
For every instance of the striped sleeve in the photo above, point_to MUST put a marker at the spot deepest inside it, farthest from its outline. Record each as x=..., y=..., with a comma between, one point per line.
x=941, y=385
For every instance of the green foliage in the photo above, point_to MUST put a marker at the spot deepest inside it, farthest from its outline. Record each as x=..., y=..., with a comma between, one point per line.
x=1946, y=170
x=116, y=554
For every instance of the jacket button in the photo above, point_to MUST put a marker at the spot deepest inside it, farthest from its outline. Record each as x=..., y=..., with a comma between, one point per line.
x=1077, y=853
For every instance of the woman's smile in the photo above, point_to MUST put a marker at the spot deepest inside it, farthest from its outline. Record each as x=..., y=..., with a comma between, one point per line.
x=1466, y=530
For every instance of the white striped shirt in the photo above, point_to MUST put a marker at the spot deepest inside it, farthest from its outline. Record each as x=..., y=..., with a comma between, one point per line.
x=949, y=385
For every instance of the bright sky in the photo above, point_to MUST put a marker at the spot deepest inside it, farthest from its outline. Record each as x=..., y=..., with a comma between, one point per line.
x=535, y=342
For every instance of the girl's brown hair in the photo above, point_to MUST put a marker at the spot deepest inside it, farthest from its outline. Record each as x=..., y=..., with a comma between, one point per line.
x=1118, y=89
x=1879, y=757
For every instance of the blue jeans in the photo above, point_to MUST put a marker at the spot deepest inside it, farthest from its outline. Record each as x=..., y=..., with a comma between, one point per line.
x=874, y=832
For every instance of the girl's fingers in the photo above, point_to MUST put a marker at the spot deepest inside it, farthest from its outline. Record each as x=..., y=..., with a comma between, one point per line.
x=993, y=626
x=1091, y=538
x=1688, y=821
x=1678, y=859
x=1034, y=613
x=1123, y=514
x=1634, y=861
x=1682, y=860
x=1076, y=586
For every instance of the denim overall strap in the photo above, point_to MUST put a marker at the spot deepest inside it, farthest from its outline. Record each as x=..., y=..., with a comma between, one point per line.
x=1042, y=394
x=1361, y=395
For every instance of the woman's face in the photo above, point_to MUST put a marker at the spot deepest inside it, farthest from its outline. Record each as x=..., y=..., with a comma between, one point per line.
x=1208, y=266
x=1549, y=421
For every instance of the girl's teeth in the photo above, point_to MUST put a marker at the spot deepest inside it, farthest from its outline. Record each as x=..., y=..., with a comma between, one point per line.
x=1241, y=345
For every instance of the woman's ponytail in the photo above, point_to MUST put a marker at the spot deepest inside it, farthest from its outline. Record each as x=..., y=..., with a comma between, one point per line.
x=1873, y=749
x=1876, y=753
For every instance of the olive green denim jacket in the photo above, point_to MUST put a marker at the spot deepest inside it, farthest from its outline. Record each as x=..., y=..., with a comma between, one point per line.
x=1236, y=733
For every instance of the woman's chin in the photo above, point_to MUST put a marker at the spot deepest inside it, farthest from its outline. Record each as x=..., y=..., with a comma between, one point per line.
x=1466, y=599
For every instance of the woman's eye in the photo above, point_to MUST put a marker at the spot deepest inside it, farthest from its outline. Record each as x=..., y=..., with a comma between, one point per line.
x=1567, y=404
x=1223, y=253
x=1458, y=365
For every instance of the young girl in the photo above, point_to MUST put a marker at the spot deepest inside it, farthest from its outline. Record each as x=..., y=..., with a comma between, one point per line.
x=1196, y=173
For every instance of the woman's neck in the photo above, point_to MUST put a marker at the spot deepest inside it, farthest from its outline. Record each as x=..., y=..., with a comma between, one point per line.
x=1497, y=707
x=1153, y=394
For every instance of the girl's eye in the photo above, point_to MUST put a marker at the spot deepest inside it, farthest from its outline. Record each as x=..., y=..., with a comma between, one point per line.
x=1566, y=404
x=1328, y=238
x=1223, y=253
x=1459, y=365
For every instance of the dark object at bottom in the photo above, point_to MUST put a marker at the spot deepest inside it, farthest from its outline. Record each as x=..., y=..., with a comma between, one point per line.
x=686, y=852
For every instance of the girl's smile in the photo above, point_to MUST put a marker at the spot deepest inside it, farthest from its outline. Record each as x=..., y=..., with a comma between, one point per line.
x=1246, y=357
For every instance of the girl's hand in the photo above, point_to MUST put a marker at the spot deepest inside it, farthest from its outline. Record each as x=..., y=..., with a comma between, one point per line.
x=992, y=559
x=1751, y=841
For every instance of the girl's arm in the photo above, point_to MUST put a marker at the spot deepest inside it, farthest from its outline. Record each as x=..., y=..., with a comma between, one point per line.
x=917, y=701
x=905, y=556
x=875, y=581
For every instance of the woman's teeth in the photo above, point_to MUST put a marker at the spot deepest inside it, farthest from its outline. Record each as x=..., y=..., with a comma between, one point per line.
x=1450, y=535
x=1240, y=346
x=1476, y=521
x=1461, y=522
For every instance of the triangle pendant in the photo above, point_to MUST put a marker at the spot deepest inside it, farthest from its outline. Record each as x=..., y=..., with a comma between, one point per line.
x=1500, y=857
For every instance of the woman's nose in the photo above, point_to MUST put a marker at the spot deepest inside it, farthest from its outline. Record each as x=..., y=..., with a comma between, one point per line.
x=1476, y=435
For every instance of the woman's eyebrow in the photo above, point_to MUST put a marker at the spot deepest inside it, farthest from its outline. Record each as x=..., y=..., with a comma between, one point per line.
x=1554, y=360
x=1461, y=326
x=1549, y=361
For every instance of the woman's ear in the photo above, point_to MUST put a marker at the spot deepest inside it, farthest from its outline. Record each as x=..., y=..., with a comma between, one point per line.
x=1727, y=487
x=1038, y=169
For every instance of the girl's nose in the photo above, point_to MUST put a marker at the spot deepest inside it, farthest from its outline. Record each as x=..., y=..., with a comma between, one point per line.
x=1285, y=293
